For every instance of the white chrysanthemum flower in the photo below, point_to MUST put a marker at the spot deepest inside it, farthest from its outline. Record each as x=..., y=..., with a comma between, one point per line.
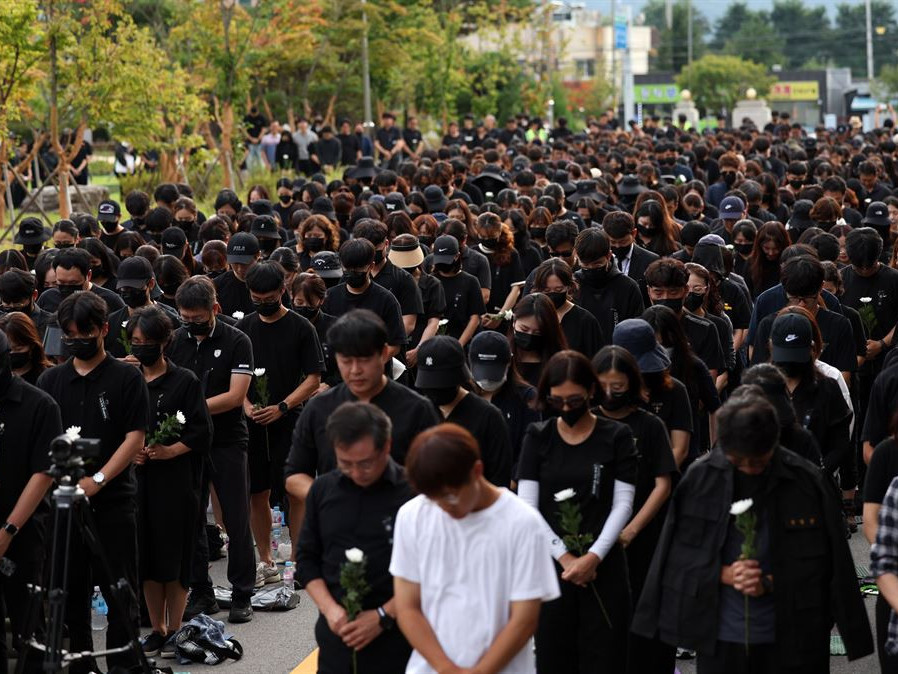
x=179, y=415
x=355, y=555
x=238, y=315
x=259, y=371
x=73, y=433
x=866, y=300
x=742, y=506
x=564, y=495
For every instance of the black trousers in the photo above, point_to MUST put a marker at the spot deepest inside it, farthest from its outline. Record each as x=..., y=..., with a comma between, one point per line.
x=888, y=664
x=731, y=658
x=227, y=470
x=26, y=552
x=573, y=636
x=646, y=655
x=116, y=527
x=387, y=654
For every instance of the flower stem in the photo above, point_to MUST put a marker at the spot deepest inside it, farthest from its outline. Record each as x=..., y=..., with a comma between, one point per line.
x=355, y=661
x=592, y=586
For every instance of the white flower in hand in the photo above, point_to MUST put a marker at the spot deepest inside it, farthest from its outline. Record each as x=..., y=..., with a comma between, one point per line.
x=564, y=495
x=355, y=555
x=259, y=372
x=124, y=324
x=866, y=300
x=740, y=507
x=73, y=433
x=443, y=321
x=238, y=315
x=179, y=415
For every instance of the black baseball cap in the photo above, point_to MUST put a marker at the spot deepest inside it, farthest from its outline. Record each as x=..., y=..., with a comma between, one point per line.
x=243, y=248
x=327, y=264
x=265, y=227
x=441, y=363
x=489, y=356
x=108, y=211
x=134, y=272
x=445, y=248
x=31, y=232
x=791, y=339
x=172, y=241
x=394, y=202
x=324, y=206
x=877, y=215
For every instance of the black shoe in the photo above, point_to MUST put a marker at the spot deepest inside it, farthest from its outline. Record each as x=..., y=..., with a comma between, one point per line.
x=152, y=643
x=241, y=611
x=200, y=602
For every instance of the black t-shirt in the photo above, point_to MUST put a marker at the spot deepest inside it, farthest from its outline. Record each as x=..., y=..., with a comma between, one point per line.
x=433, y=299
x=233, y=294
x=858, y=332
x=178, y=390
x=323, y=323
x=403, y=286
x=350, y=146
x=725, y=336
x=881, y=405
x=213, y=360
x=820, y=407
x=882, y=291
x=412, y=138
x=486, y=424
x=287, y=349
x=30, y=420
x=672, y=406
x=503, y=277
x=839, y=347
x=107, y=403
x=50, y=299
x=704, y=340
x=387, y=138
x=882, y=470
x=339, y=301
x=109, y=240
x=472, y=262
x=255, y=124
x=117, y=337
x=583, y=332
x=515, y=404
x=463, y=300
x=735, y=305
x=589, y=468
x=312, y=454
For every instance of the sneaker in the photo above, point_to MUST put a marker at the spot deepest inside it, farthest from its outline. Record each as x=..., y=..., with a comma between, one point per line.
x=266, y=574
x=152, y=643
x=241, y=611
x=685, y=653
x=200, y=602
x=168, y=649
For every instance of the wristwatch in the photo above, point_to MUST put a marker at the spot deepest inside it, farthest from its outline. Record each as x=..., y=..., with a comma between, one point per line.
x=387, y=622
x=10, y=528
x=99, y=478
x=282, y=407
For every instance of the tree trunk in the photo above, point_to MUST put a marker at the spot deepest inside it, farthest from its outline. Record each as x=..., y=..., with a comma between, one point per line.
x=225, y=148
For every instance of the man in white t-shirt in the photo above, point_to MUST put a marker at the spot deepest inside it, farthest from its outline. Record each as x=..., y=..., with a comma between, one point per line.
x=471, y=563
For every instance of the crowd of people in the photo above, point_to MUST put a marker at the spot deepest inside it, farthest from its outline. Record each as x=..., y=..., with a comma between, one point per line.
x=532, y=377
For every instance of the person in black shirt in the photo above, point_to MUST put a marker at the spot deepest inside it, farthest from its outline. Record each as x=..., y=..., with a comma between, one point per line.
x=109, y=213
x=355, y=506
x=31, y=236
x=308, y=294
x=350, y=146
x=18, y=293
x=107, y=399
x=412, y=137
x=358, y=291
x=167, y=476
x=222, y=359
x=30, y=419
x=359, y=343
x=73, y=274
x=388, y=141
x=592, y=460
x=632, y=260
x=464, y=301
x=286, y=348
x=553, y=278
x=230, y=288
x=442, y=371
x=327, y=151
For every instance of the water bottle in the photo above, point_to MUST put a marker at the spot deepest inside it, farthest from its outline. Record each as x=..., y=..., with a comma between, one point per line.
x=98, y=611
x=275, y=541
x=285, y=548
x=287, y=575
x=277, y=517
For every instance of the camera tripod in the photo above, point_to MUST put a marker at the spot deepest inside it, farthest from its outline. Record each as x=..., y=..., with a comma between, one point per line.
x=70, y=508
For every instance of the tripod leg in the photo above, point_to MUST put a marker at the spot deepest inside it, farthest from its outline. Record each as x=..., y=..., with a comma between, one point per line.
x=119, y=593
x=59, y=577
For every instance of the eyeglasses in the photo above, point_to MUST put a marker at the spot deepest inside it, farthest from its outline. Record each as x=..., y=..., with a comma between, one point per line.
x=809, y=301
x=572, y=402
x=362, y=466
x=701, y=290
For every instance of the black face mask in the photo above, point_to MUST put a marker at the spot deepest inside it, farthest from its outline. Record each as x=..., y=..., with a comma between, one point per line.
x=572, y=415
x=309, y=313
x=313, y=244
x=19, y=359
x=97, y=271
x=32, y=250
x=527, y=341
x=729, y=178
x=83, y=348
x=109, y=226
x=667, y=161
x=558, y=299
x=440, y=396
x=267, y=308
x=796, y=184
x=134, y=298
x=268, y=245
x=426, y=241
x=450, y=268
x=378, y=257
x=491, y=243
x=693, y=301
x=356, y=279
x=64, y=244
x=285, y=198
x=186, y=225
x=649, y=233
x=675, y=305
x=594, y=278
x=197, y=329
x=537, y=232
x=621, y=252
x=147, y=354
x=793, y=370
x=743, y=248
x=617, y=400
x=66, y=290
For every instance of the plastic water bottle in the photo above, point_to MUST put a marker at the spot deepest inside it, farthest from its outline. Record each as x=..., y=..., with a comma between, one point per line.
x=285, y=548
x=275, y=541
x=287, y=575
x=277, y=517
x=98, y=611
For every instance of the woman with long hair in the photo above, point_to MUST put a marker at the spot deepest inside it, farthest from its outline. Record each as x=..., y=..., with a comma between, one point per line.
x=655, y=229
x=538, y=223
x=531, y=254
x=585, y=463
x=620, y=397
x=26, y=352
x=764, y=261
x=102, y=263
x=703, y=299
x=427, y=227
x=315, y=234
x=555, y=279
x=497, y=244
x=535, y=336
x=458, y=209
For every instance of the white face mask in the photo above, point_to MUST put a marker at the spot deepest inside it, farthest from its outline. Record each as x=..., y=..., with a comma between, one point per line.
x=491, y=386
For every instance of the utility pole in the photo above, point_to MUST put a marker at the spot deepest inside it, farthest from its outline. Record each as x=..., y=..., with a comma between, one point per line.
x=627, y=75
x=614, y=51
x=366, y=74
x=870, y=73
x=689, y=31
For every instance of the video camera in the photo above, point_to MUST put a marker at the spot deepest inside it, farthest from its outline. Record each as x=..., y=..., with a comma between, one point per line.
x=70, y=455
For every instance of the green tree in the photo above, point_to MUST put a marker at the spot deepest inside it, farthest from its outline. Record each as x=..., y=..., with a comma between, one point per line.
x=851, y=30
x=885, y=86
x=803, y=32
x=729, y=23
x=754, y=40
x=717, y=82
x=673, y=48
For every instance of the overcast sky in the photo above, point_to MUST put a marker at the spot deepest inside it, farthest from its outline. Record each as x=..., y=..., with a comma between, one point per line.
x=712, y=9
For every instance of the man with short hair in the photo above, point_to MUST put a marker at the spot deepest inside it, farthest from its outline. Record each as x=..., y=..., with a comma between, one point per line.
x=18, y=292
x=632, y=259
x=471, y=563
x=230, y=288
x=109, y=213
x=773, y=612
x=731, y=209
x=73, y=274
x=388, y=141
x=355, y=506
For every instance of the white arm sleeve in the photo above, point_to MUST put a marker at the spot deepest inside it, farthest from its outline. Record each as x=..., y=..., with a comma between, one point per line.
x=621, y=509
x=528, y=491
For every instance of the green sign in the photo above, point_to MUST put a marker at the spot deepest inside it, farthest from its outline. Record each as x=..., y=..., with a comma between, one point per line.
x=656, y=93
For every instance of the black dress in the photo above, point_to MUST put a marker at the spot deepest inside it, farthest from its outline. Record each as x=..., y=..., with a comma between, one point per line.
x=168, y=490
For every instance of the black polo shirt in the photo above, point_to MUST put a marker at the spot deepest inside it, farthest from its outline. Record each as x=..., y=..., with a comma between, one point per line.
x=487, y=425
x=233, y=295
x=311, y=452
x=29, y=420
x=403, y=286
x=107, y=403
x=376, y=298
x=434, y=304
x=115, y=340
x=50, y=299
x=213, y=360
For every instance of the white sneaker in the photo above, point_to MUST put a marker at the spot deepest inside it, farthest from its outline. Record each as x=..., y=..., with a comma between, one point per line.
x=266, y=574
